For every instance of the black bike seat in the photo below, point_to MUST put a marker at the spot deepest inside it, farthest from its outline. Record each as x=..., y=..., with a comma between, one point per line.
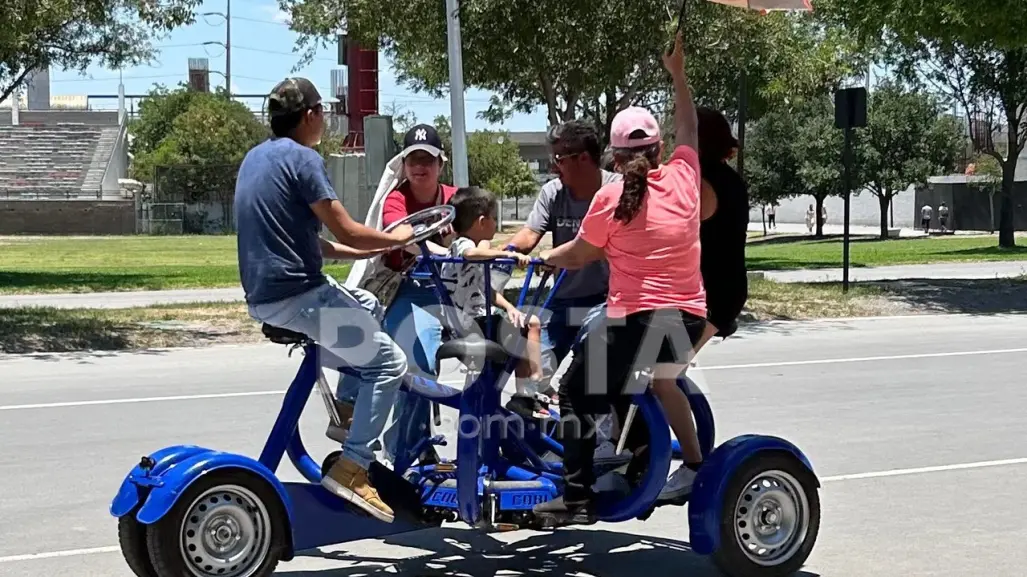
x=281, y=336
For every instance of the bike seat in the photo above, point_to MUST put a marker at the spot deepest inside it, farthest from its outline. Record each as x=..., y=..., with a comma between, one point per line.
x=281, y=336
x=472, y=351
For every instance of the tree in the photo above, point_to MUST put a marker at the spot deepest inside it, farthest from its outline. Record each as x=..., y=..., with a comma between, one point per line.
x=974, y=51
x=73, y=35
x=204, y=130
x=797, y=152
x=907, y=140
x=986, y=177
x=582, y=59
x=494, y=162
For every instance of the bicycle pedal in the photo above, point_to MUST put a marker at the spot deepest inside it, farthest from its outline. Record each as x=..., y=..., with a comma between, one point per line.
x=445, y=467
x=506, y=527
x=337, y=434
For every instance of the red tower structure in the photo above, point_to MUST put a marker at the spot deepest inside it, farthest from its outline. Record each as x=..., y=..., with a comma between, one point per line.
x=362, y=96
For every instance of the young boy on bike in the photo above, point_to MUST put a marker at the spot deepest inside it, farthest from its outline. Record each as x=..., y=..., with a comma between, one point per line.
x=475, y=227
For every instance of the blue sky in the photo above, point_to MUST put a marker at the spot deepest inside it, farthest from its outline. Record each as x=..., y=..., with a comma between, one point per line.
x=262, y=55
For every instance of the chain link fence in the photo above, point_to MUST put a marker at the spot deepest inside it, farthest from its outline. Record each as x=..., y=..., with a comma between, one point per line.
x=189, y=199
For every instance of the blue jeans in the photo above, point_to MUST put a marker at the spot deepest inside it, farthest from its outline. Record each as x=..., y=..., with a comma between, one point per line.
x=417, y=331
x=569, y=320
x=347, y=323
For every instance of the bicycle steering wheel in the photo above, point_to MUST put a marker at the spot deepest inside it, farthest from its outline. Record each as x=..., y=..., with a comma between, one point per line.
x=427, y=223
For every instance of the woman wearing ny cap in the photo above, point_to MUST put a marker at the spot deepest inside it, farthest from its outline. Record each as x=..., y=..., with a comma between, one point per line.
x=408, y=318
x=647, y=228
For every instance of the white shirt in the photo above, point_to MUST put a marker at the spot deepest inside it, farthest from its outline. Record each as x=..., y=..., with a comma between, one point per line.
x=465, y=283
x=926, y=211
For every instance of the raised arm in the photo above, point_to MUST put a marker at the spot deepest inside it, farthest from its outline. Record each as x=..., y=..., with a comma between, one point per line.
x=686, y=122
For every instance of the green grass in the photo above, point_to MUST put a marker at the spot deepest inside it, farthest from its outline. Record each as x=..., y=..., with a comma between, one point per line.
x=787, y=253
x=91, y=264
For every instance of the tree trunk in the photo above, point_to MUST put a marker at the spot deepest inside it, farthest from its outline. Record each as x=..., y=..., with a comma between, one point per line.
x=991, y=204
x=884, y=200
x=819, y=208
x=763, y=217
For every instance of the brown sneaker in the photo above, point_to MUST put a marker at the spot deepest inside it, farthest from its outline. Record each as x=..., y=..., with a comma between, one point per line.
x=348, y=480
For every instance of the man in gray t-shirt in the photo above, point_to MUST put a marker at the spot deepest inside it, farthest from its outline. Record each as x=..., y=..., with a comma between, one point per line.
x=561, y=204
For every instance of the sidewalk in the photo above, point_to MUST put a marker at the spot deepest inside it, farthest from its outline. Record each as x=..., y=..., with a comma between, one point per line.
x=799, y=228
x=962, y=270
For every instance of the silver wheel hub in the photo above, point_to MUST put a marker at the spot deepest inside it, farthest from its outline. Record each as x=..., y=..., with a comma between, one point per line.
x=226, y=533
x=771, y=518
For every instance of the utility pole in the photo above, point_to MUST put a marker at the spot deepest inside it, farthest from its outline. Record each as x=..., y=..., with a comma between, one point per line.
x=228, y=47
x=456, y=94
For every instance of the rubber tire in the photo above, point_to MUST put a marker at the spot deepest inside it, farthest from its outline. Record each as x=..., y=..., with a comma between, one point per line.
x=728, y=557
x=132, y=539
x=163, y=536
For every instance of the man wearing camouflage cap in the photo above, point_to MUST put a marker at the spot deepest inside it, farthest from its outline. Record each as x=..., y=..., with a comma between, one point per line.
x=282, y=197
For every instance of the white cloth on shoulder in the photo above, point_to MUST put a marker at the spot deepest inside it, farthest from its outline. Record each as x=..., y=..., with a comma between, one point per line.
x=391, y=178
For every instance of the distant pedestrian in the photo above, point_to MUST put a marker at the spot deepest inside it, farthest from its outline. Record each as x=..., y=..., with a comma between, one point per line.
x=943, y=217
x=926, y=212
x=771, y=216
x=811, y=219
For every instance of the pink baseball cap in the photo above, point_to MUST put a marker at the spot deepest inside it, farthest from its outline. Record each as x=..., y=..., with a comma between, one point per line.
x=630, y=120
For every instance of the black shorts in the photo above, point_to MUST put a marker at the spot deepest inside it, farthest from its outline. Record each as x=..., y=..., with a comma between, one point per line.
x=630, y=344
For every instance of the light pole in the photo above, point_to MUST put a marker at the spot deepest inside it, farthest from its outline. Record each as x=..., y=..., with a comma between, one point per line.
x=227, y=44
x=456, y=94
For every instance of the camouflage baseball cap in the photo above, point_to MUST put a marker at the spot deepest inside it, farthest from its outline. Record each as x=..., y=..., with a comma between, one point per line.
x=293, y=95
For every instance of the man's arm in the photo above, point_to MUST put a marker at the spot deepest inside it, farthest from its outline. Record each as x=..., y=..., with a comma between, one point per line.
x=350, y=232
x=527, y=239
x=316, y=189
x=338, y=251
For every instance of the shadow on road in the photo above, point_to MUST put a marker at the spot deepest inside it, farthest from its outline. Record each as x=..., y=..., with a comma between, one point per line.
x=966, y=296
x=90, y=334
x=563, y=553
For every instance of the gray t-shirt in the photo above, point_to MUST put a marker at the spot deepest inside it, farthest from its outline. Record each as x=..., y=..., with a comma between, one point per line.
x=558, y=212
x=279, y=247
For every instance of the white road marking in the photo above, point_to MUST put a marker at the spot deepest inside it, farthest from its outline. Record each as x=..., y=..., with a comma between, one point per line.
x=55, y=554
x=137, y=400
x=100, y=402
x=831, y=479
x=458, y=383
x=923, y=470
x=861, y=359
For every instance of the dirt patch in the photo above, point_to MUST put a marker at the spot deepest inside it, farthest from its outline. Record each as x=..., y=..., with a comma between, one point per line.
x=37, y=330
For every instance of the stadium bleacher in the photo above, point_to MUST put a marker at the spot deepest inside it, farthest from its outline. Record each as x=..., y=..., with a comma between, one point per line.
x=62, y=160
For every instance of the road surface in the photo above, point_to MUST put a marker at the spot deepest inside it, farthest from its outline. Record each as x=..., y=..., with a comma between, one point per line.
x=873, y=402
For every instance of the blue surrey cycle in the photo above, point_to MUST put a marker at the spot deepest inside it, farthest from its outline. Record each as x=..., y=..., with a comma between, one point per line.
x=193, y=511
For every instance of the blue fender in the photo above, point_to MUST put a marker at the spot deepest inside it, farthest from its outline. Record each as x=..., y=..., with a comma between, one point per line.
x=707, y=500
x=139, y=481
x=176, y=480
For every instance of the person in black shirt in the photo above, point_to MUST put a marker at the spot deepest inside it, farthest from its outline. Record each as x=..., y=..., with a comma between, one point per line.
x=725, y=224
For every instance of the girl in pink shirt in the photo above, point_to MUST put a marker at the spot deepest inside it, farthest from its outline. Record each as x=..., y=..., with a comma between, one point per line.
x=647, y=228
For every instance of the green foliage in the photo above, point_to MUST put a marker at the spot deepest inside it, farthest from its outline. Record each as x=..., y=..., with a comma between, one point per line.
x=907, y=140
x=189, y=145
x=493, y=161
x=975, y=52
x=183, y=126
x=74, y=34
x=796, y=152
x=586, y=59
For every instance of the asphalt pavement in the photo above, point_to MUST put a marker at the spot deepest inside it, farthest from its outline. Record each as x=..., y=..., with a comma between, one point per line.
x=915, y=426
